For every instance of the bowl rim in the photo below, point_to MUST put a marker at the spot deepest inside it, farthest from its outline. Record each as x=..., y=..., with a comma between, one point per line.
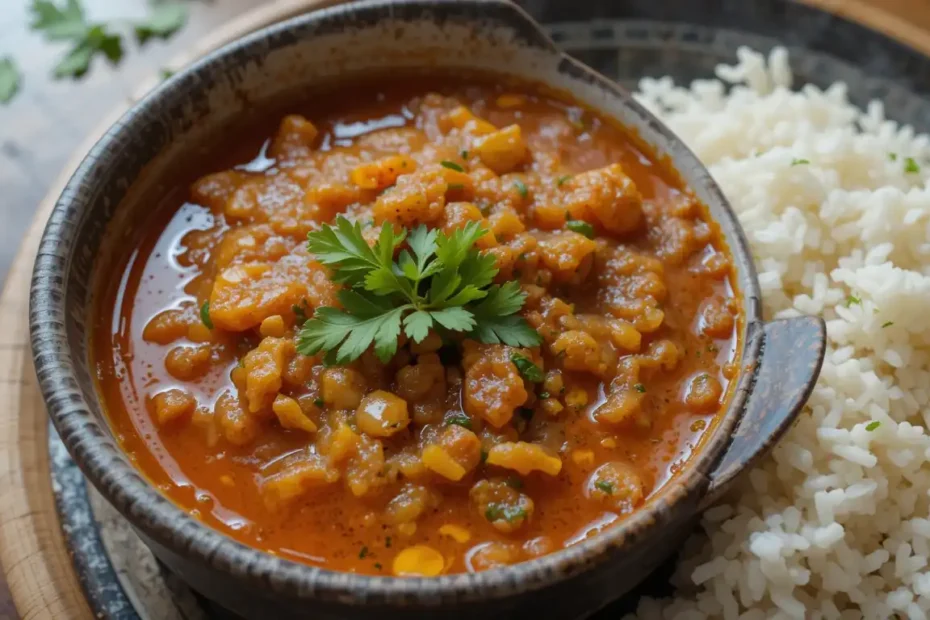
x=171, y=527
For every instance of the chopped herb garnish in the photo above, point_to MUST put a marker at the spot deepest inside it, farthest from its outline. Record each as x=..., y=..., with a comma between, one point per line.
x=299, y=314
x=544, y=395
x=853, y=300
x=464, y=154
x=484, y=455
x=562, y=180
x=442, y=281
x=508, y=513
x=639, y=387
x=166, y=73
x=605, y=486
x=527, y=369
x=910, y=165
x=205, y=315
x=887, y=324
x=318, y=402
x=514, y=483
x=456, y=186
x=712, y=348
x=798, y=162
x=10, y=79
x=451, y=165
x=581, y=227
x=871, y=426
x=387, y=542
x=363, y=553
x=378, y=565
x=893, y=156
x=521, y=188
x=526, y=413
x=460, y=419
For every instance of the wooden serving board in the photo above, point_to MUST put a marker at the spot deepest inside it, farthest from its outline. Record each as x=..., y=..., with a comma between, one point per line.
x=35, y=560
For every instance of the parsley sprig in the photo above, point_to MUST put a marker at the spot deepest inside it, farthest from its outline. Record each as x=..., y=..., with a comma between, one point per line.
x=439, y=281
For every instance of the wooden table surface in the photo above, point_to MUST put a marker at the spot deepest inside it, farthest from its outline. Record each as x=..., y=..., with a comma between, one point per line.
x=45, y=123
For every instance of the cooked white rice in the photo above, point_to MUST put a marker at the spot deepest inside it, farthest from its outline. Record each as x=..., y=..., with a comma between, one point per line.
x=835, y=202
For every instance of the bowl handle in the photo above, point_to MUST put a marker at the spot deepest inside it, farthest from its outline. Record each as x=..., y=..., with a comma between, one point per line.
x=505, y=12
x=791, y=355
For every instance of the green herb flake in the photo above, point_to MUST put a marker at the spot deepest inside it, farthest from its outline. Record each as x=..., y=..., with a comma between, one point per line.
x=527, y=369
x=871, y=426
x=318, y=402
x=299, y=314
x=460, y=419
x=205, y=315
x=166, y=73
x=893, y=156
x=484, y=455
x=799, y=162
x=66, y=22
x=511, y=514
x=887, y=324
x=363, y=553
x=514, y=483
x=910, y=165
x=378, y=565
x=563, y=180
x=639, y=387
x=605, y=486
x=438, y=281
x=10, y=79
x=521, y=188
x=544, y=395
x=852, y=300
x=451, y=165
x=581, y=227
x=387, y=542
x=464, y=154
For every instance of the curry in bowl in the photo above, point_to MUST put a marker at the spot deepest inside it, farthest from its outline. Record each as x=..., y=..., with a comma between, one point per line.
x=419, y=327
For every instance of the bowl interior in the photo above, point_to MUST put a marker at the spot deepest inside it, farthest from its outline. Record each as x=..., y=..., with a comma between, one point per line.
x=111, y=191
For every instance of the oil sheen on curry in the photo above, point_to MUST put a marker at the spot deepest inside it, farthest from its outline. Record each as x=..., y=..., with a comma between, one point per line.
x=420, y=327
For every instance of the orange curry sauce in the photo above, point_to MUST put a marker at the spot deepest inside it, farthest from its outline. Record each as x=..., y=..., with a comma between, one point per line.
x=640, y=326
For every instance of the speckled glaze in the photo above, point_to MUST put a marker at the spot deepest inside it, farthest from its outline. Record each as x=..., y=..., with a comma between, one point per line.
x=780, y=359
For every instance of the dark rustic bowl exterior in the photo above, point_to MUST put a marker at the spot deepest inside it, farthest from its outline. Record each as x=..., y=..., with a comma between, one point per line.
x=485, y=35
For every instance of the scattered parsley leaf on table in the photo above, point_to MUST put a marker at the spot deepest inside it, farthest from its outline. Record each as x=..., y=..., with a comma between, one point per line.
x=68, y=23
x=439, y=281
x=165, y=19
x=9, y=79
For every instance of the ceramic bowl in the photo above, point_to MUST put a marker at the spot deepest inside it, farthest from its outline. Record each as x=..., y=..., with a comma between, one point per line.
x=780, y=360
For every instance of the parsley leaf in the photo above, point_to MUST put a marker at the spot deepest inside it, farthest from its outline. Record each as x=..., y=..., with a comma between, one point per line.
x=910, y=165
x=528, y=370
x=605, y=486
x=521, y=188
x=165, y=19
x=871, y=426
x=887, y=324
x=562, y=180
x=205, y=315
x=581, y=227
x=9, y=79
x=798, y=162
x=853, y=300
x=451, y=165
x=438, y=282
x=58, y=23
x=460, y=419
x=639, y=387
